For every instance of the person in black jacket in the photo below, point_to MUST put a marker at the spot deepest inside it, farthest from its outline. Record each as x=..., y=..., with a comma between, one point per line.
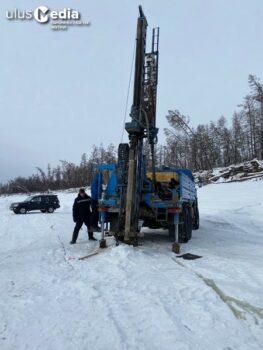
x=82, y=214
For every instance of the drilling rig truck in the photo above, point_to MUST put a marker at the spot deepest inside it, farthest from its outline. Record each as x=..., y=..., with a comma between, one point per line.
x=137, y=195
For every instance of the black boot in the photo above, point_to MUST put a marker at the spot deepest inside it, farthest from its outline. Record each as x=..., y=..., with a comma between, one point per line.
x=92, y=238
x=72, y=242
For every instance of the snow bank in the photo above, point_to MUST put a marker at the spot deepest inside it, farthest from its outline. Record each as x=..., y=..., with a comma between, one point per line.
x=238, y=172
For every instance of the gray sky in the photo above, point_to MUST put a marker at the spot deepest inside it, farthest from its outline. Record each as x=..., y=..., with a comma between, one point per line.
x=62, y=92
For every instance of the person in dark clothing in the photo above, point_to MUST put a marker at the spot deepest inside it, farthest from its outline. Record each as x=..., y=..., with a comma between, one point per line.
x=82, y=215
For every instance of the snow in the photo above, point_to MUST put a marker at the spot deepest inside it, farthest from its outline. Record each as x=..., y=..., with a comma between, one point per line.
x=236, y=172
x=135, y=298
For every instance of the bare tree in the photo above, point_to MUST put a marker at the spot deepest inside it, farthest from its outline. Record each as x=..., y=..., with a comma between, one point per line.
x=257, y=94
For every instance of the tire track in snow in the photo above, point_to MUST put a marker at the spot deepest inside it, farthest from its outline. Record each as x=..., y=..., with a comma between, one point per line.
x=170, y=305
x=163, y=302
x=114, y=309
x=121, y=305
x=230, y=300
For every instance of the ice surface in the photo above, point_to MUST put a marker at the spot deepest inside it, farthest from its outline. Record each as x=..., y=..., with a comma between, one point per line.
x=135, y=298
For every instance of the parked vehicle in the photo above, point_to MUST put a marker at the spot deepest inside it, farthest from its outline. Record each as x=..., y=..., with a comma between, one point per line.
x=172, y=201
x=163, y=197
x=46, y=203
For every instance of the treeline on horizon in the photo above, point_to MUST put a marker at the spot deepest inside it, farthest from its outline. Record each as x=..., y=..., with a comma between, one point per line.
x=204, y=147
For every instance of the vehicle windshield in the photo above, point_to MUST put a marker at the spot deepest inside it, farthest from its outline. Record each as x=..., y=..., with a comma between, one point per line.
x=28, y=199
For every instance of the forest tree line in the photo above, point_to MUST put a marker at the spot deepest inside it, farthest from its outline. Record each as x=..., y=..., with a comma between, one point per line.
x=64, y=176
x=217, y=144
x=203, y=147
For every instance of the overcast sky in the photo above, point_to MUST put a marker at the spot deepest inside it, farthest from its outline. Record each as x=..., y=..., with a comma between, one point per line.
x=62, y=92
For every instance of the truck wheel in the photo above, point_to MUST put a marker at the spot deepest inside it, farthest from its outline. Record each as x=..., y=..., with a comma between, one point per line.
x=196, y=217
x=123, y=154
x=114, y=228
x=22, y=210
x=190, y=220
x=171, y=231
x=113, y=223
x=184, y=225
x=50, y=210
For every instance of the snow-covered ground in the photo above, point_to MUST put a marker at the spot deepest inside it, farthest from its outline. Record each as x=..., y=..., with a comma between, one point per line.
x=135, y=298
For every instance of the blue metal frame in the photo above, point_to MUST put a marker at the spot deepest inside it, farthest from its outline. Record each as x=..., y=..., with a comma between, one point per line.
x=186, y=192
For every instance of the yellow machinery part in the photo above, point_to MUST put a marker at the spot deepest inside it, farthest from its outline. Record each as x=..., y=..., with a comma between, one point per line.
x=164, y=176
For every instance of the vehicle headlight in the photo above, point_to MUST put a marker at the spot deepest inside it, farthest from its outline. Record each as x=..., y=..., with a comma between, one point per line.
x=15, y=205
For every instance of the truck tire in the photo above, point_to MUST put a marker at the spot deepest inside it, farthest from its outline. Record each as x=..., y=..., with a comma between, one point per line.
x=190, y=225
x=43, y=211
x=123, y=154
x=196, y=216
x=22, y=210
x=114, y=228
x=171, y=232
x=114, y=223
x=50, y=210
x=183, y=225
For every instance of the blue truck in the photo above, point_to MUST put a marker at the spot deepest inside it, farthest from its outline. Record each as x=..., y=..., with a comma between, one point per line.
x=137, y=195
x=172, y=202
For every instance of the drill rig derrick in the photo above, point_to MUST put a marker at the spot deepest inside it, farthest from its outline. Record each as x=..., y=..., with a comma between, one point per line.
x=164, y=199
x=142, y=125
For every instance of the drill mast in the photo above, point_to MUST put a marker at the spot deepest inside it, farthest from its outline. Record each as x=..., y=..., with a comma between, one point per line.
x=143, y=123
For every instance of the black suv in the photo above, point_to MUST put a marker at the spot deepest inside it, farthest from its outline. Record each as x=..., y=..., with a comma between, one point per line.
x=46, y=203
